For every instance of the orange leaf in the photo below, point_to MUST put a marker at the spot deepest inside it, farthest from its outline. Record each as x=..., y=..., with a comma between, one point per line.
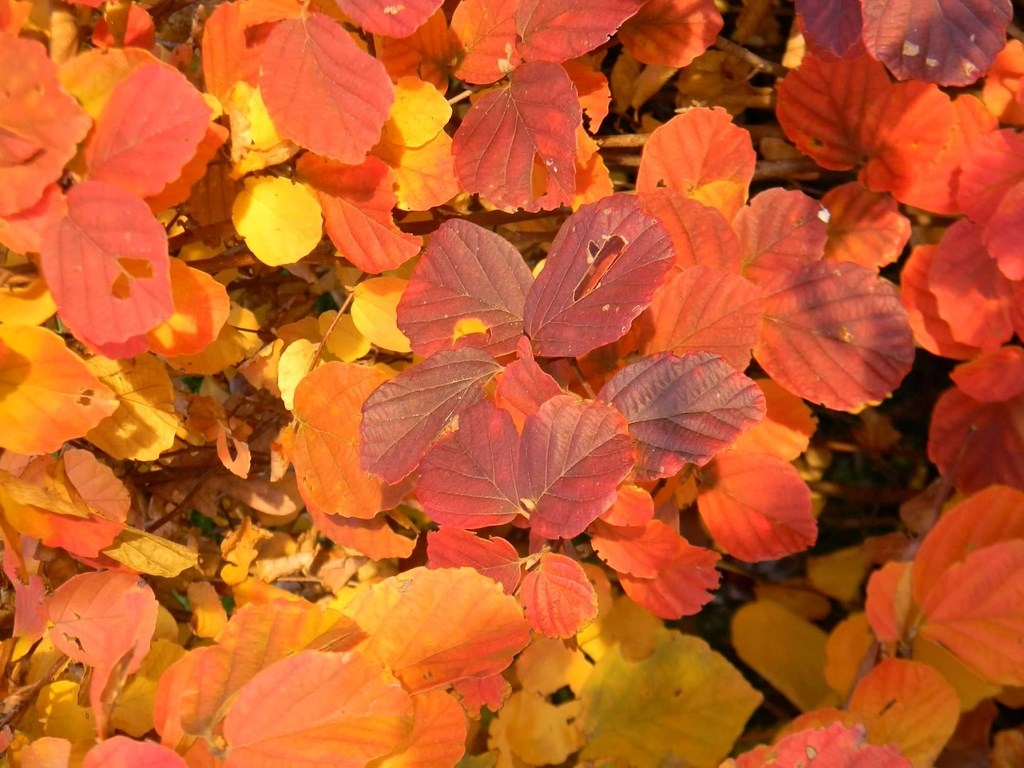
x=40, y=124
x=931, y=330
x=485, y=35
x=700, y=234
x=700, y=154
x=427, y=53
x=671, y=33
x=326, y=452
x=201, y=307
x=47, y=395
x=373, y=538
x=122, y=752
x=558, y=599
x=785, y=431
x=888, y=604
x=359, y=713
x=864, y=227
x=438, y=736
x=756, y=506
x=434, y=627
x=908, y=704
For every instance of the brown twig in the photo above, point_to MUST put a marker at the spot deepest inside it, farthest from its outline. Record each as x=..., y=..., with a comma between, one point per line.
x=751, y=58
x=184, y=503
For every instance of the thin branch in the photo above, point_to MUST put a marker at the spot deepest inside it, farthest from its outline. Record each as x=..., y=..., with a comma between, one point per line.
x=184, y=503
x=623, y=141
x=757, y=62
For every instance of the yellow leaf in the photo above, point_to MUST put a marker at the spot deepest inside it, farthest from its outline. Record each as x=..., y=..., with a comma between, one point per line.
x=631, y=628
x=839, y=574
x=345, y=342
x=682, y=705
x=239, y=550
x=238, y=339
x=145, y=422
x=133, y=710
x=47, y=394
x=279, y=219
x=467, y=326
x=148, y=553
x=61, y=714
x=786, y=650
x=293, y=367
x=29, y=304
x=547, y=665
x=971, y=688
x=208, y=614
x=424, y=176
x=374, y=312
x=536, y=731
x=418, y=114
x=847, y=645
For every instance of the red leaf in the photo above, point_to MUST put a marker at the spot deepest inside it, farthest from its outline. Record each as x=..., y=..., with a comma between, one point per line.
x=780, y=231
x=559, y=30
x=149, y=129
x=603, y=268
x=864, y=227
x=831, y=26
x=756, y=506
x=486, y=34
x=971, y=292
x=993, y=166
x=572, y=458
x=700, y=154
x=322, y=91
x=835, y=745
x=700, y=234
x=495, y=558
x=706, y=309
x=682, y=409
x=357, y=201
x=835, y=334
x=404, y=415
x=633, y=506
x=523, y=387
x=122, y=752
x=930, y=330
x=682, y=586
x=359, y=713
x=517, y=145
x=558, y=598
x=227, y=56
x=978, y=444
x=40, y=124
x=1003, y=234
x=993, y=376
x=476, y=692
x=950, y=42
x=382, y=17
x=107, y=266
x=469, y=478
x=466, y=273
x=671, y=33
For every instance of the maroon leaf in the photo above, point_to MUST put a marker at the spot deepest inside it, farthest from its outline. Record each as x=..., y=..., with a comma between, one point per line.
x=466, y=273
x=495, y=558
x=468, y=478
x=780, y=231
x=706, y=309
x=404, y=415
x=572, y=458
x=322, y=91
x=388, y=18
x=836, y=334
x=517, y=145
x=683, y=409
x=559, y=30
x=605, y=264
x=950, y=42
x=832, y=26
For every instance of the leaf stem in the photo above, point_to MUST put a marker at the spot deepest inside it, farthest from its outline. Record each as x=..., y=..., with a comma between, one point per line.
x=751, y=58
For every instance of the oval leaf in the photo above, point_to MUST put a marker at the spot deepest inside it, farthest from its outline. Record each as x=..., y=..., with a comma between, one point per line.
x=558, y=598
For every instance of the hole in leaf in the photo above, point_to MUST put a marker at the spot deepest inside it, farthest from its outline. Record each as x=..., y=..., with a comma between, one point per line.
x=539, y=176
x=85, y=397
x=131, y=270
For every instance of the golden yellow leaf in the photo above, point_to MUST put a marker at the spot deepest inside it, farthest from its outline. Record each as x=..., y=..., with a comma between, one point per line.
x=786, y=650
x=345, y=342
x=30, y=304
x=239, y=550
x=148, y=553
x=845, y=649
x=61, y=714
x=627, y=626
x=548, y=664
x=293, y=367
x=374, y=312
x=279, y=219
x=971, y=688
x=255, y=143
x=47, y=394
x=145, y=422
x=133, y=710
x=208, y=614
x=536, y=731
x=683, y=703
x=839, y=574
x=424, y=176
x=419, y=113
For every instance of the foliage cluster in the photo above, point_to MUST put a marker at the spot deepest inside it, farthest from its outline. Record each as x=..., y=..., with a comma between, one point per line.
x=490, y=383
